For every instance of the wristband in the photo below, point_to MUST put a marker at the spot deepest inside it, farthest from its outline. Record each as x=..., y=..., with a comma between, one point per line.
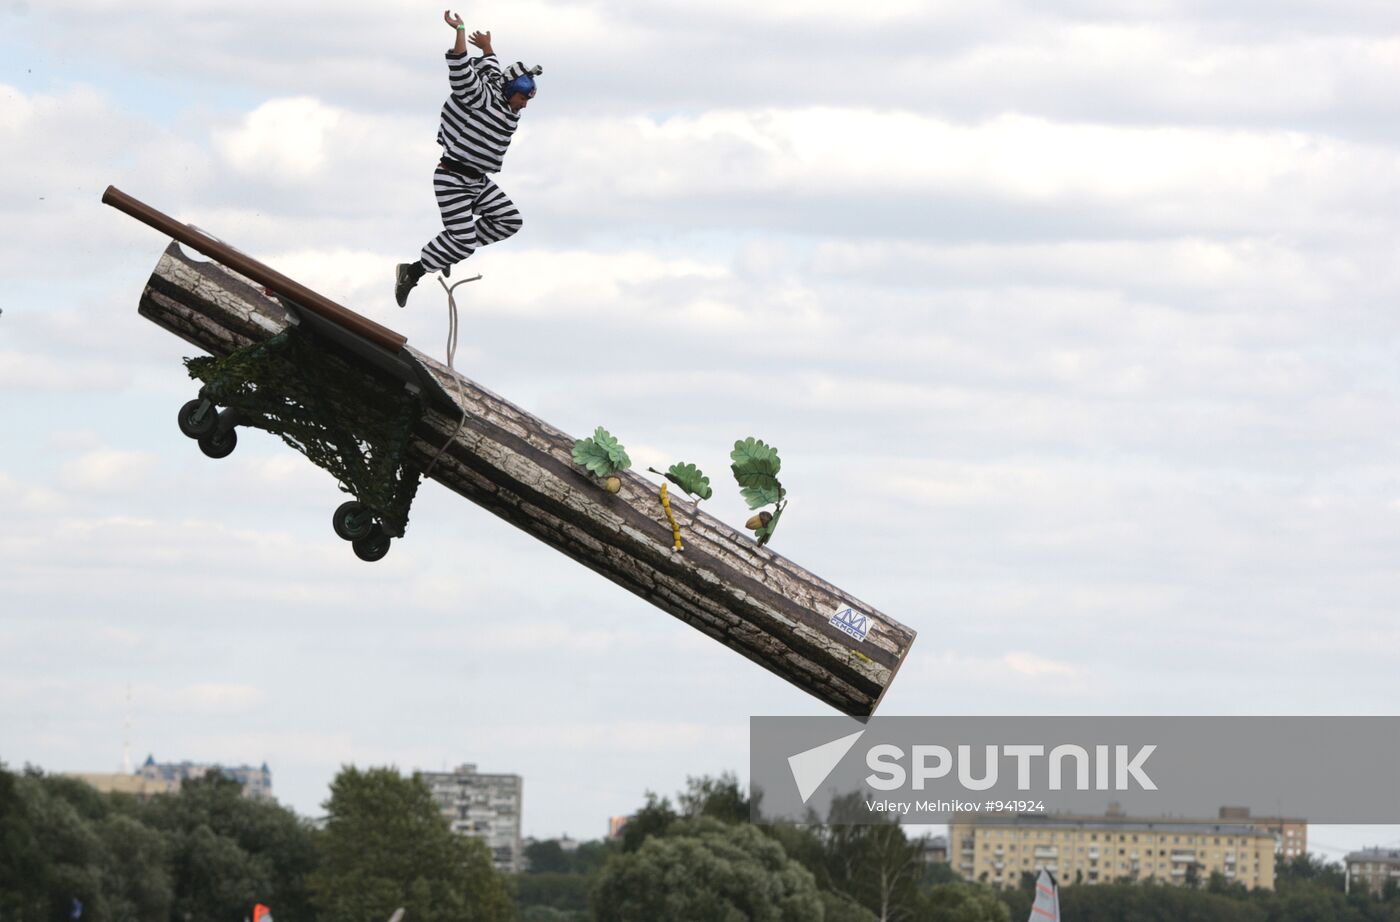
x=462, y=27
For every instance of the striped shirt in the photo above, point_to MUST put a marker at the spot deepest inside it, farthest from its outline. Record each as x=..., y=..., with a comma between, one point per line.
x=476, y=122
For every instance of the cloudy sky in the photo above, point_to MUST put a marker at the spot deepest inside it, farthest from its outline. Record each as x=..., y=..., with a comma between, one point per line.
x=1074, y=323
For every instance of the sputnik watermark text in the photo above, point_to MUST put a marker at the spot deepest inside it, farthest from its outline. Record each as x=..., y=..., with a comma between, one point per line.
x=1113, y=767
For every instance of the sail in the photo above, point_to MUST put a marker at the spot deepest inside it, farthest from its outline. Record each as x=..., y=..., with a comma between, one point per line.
x=1047, y=899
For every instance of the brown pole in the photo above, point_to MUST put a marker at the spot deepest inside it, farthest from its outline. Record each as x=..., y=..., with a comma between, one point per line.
x=239, y=262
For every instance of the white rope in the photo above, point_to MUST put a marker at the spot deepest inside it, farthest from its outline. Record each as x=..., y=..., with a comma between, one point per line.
x=452, y=357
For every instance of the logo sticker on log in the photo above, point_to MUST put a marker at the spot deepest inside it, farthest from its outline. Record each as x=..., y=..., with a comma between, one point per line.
x=848, y=620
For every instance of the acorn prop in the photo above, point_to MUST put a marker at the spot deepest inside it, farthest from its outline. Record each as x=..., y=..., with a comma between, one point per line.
x=603, y=456
x=761, y=520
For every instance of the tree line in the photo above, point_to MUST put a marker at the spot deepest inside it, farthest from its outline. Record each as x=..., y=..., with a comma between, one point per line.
x=207, y=854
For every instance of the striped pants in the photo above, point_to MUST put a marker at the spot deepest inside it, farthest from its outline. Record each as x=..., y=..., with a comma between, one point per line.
x=475, y=212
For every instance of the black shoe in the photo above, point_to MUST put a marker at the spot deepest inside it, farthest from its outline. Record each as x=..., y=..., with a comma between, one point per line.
x=405, y=277
x=447, y=272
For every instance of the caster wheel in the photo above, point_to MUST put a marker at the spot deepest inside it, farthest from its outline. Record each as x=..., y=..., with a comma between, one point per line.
x=219, y=444
x=198, y=418
x=372, y=546
x=352, y=520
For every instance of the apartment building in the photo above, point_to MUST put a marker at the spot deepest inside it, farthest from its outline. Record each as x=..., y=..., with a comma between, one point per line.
x=483, y=806
x=1372, y=868
x=1290, y=833
x=998, y=849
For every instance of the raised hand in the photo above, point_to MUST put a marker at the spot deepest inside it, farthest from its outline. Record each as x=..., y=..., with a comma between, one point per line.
x=482, y=40
x=452, y=19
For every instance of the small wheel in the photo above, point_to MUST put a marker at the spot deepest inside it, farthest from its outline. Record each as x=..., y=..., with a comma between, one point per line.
x=352, y=520
x=372, y=546
x=198, y=418
x=219, y=444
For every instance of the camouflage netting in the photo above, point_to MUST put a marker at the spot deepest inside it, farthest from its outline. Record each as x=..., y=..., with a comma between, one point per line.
x=353, y=424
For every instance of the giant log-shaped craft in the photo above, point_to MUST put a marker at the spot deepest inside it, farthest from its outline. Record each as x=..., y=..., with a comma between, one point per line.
x=477, y=444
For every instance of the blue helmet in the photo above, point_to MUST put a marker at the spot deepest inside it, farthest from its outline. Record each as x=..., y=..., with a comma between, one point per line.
x=520, y=79
x=522, y=84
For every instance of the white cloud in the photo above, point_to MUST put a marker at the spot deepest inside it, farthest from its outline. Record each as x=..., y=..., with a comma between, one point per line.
x=542, y=636
x=28, y=690
x=636, y=736
x=286, y=752
x=1192, y=266
x=30, y=372
x=977, y=677
x=597, y=280
x=218, y=698
x=200, y=562
x=1131, y=62
x=75, y=440
x=1035, y=667
x=30, y=497
x=108, y=470
x=285, y=471
x=284, y=137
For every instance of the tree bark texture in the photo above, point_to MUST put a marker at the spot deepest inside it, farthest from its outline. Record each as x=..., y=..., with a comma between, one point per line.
x=519, y=467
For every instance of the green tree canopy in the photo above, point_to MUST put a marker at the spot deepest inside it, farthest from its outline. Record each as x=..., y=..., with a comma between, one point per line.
x=721, y=798
x=386, y=845
x=653, y=819
x=1153, y=902
x=24, y=870
x=227, y=852
x=703, y=870
x=1309, y=868
x=565, y=892
x=73, y=854
x=61, y=840
x=960, y=902
x=873, y=863
x=547, y=857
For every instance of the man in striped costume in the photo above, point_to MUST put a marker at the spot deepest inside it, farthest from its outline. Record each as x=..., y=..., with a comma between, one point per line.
x=478, y=121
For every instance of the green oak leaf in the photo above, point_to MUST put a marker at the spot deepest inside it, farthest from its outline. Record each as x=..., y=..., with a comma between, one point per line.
x=690, y=479
x=593, y=457
x=753, y=456
x=614, y=449
x=763, y=494
x=602, y=454
x=755, y=466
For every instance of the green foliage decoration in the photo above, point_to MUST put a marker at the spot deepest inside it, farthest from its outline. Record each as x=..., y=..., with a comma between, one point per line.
x=754, y=462
x=755, y=466
x=601, y=454
x=345, y=420
x=689, y=478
